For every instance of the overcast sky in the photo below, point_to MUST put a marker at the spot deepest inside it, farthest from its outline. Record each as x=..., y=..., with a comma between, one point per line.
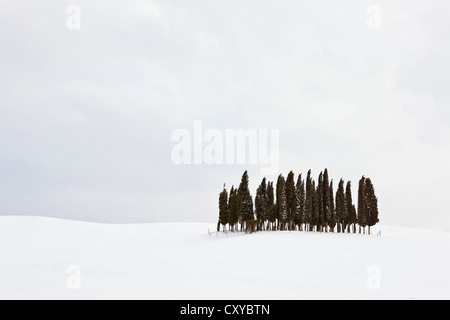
x=86, y=115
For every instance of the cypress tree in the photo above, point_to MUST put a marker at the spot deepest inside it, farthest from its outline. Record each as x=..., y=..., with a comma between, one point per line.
x=278, y=201
x=340, y=207
x=345, y=215
x=320, y=203
x=246, y=201
x=272, y=216
x=223, y=208
x=349, y=207
x=291, y=200
x=270, y=194
x=283, y=208
x=308, y=201
x=271, y=204
x=332, y=219
x=259, y=210
x=282, y=214
x=300, y=194
x=371, y=204
x=315, y=207
x=355, y=218
x=262, y=215
x=326, y=199
x=239, y=208
x=232, y=207
x=266, y=201
x=362, y=219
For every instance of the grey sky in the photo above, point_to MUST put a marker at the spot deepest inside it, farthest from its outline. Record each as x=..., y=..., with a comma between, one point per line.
x=86, y=115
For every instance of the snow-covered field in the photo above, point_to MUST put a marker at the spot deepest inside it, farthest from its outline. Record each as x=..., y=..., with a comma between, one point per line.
x=45, y=258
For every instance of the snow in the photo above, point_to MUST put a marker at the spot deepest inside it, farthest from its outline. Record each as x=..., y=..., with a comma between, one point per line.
x=181, y=261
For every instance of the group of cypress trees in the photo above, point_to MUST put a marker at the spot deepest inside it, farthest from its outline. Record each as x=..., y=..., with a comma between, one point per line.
x=302, y=205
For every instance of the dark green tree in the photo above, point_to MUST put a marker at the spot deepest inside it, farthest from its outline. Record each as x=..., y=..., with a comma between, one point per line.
x=332, y=218
x=326, y=199
x=232, y=207
x=320, y=203
x=351, y=215
x=272, y=215
x=239, y=209
x=355, y=217
x=246, y=201
x=223, y=208
x=315, y=208
x=259, y=211
x=340, y=207
x=362, y=217
x=291, y=200
x=281, y=203
x=300, y=195
x=309, y=194
x=266, y=202
x=262, y=215
x=371, y=204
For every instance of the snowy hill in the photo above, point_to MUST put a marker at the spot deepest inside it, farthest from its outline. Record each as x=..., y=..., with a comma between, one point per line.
x=49, y=258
